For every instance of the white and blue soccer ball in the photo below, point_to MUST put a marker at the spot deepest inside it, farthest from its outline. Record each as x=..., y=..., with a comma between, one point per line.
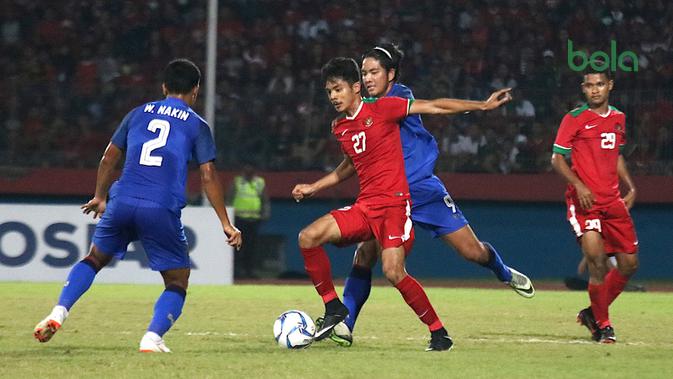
x=294, y=330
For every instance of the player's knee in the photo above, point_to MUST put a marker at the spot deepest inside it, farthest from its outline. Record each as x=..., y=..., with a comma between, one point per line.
x=365, y=257
x=629, y=268
x=308, y=238
x=96, y=259
x=394, y=273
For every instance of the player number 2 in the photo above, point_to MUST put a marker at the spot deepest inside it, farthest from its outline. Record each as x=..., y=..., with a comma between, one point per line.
x=360, y=142
x=146, y=157
x=609, y=140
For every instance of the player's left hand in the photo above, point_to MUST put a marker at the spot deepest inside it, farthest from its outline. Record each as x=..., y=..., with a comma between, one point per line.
x=301, y=191
x=498, y=98
x=630, y=198
x=95, y=205
x=234, y=236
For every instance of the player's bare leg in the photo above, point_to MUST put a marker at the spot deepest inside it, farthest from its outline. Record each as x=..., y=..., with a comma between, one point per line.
x=79, y=280
x=468, y=246
x=597, y=263
x=167, y=309
x=317, y=265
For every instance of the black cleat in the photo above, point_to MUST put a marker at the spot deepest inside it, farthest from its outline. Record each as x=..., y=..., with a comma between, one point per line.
x=586, y=317
x=440, y=341
x=335, y=312
x=607, y=335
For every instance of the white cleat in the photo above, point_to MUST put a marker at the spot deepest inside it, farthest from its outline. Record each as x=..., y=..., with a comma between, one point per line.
x=152, y=343
x=46, y=328
x=521, y=284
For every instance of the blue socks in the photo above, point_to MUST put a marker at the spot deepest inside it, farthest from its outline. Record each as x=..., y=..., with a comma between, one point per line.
x=356, y=291
x=79, y=280
x=167, y=309
x=496, y=265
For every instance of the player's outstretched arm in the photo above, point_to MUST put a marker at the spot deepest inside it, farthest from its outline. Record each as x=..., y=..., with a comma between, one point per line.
x=453, y=106
x=104, y=178
x=344, y=171
x=584, y=195
x=210, y=182
x=624, y=175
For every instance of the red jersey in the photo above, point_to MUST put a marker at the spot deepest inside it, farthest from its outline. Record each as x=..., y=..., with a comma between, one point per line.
x=595, y=141
x=371, y=138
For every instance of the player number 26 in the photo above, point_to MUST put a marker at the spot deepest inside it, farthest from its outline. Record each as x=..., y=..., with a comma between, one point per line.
x=146, y=157
x=608, y=140
x=360, y=142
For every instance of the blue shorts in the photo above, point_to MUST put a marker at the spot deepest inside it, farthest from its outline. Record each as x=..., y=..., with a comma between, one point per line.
x=433, y=209
x=158, y=228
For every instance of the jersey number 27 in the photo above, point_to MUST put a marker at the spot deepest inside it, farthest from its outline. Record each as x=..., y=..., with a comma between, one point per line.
x=146, y=157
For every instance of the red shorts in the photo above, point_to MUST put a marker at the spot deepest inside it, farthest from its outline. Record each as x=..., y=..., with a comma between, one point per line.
x=390, y=224
x=612, y=221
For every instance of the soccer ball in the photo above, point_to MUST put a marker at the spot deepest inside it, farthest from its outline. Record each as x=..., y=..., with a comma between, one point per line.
x=294, y=330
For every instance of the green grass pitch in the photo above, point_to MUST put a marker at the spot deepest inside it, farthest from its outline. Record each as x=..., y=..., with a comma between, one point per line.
x=226, y=332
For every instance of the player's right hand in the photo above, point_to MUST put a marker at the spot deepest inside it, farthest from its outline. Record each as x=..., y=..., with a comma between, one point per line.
x=498, y=98
x=95, y=205
x=302, y=191
x=234, y=236
x=584, y=195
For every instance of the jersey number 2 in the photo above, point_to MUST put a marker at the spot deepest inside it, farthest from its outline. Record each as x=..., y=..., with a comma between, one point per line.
x=146, y=157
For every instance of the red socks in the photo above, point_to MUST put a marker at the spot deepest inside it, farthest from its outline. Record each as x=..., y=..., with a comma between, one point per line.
x=318, y=268
x=599, y=303
x=614, y=282
x=414, y=294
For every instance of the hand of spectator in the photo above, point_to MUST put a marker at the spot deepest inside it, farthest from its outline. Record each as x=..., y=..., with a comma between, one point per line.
x=498, y=98
x=584, y=195
x=234, y=237
x=302, y=191
x=95, y=205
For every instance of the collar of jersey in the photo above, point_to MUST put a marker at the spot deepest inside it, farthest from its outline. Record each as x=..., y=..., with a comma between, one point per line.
x=602, y=115
x=357, y=112
x=175, y=99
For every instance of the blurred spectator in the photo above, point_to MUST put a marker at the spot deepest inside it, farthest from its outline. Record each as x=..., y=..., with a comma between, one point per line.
x=69, y=63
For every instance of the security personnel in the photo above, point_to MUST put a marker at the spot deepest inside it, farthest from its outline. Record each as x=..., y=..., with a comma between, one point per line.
x=249, y=198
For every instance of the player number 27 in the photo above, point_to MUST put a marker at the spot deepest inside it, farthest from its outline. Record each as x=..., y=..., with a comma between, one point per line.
x=360, y=142
x=146, y=157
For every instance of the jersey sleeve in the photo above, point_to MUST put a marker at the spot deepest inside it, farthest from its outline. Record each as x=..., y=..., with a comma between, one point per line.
x=394, y=108
x=565, y=135
x=204, y=147
x=119, y=137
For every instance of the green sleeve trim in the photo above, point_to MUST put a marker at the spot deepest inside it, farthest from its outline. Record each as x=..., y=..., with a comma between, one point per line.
x=621, y=148
x=411, y=101
x=561, y=150
x=369, y=99
x=577, y=111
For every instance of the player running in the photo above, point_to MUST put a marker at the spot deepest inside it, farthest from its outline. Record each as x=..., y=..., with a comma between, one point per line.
x=369, y=135
x=158, y=139
x=432, y=207
x=595, y=134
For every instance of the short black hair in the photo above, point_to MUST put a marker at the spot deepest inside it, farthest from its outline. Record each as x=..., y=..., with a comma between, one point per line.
x=341, y=68
x=389, y=55
x=181, y=76
x=600, y=63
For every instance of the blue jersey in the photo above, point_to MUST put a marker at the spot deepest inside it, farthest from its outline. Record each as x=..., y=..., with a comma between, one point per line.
x=418, y=145
x=159, y=139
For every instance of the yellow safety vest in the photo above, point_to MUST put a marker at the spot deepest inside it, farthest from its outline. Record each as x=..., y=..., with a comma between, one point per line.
x=248, y=197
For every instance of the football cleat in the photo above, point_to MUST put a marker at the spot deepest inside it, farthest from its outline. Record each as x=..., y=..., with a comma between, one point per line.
x=330, y=320
x=440, y=341
x=521, y=284
x=153, y=343
x=45, y=329
x=607, y=335
x=586, y=317
x=342, y=335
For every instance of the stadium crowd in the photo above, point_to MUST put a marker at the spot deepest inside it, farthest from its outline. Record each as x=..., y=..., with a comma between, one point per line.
x=71, y=69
